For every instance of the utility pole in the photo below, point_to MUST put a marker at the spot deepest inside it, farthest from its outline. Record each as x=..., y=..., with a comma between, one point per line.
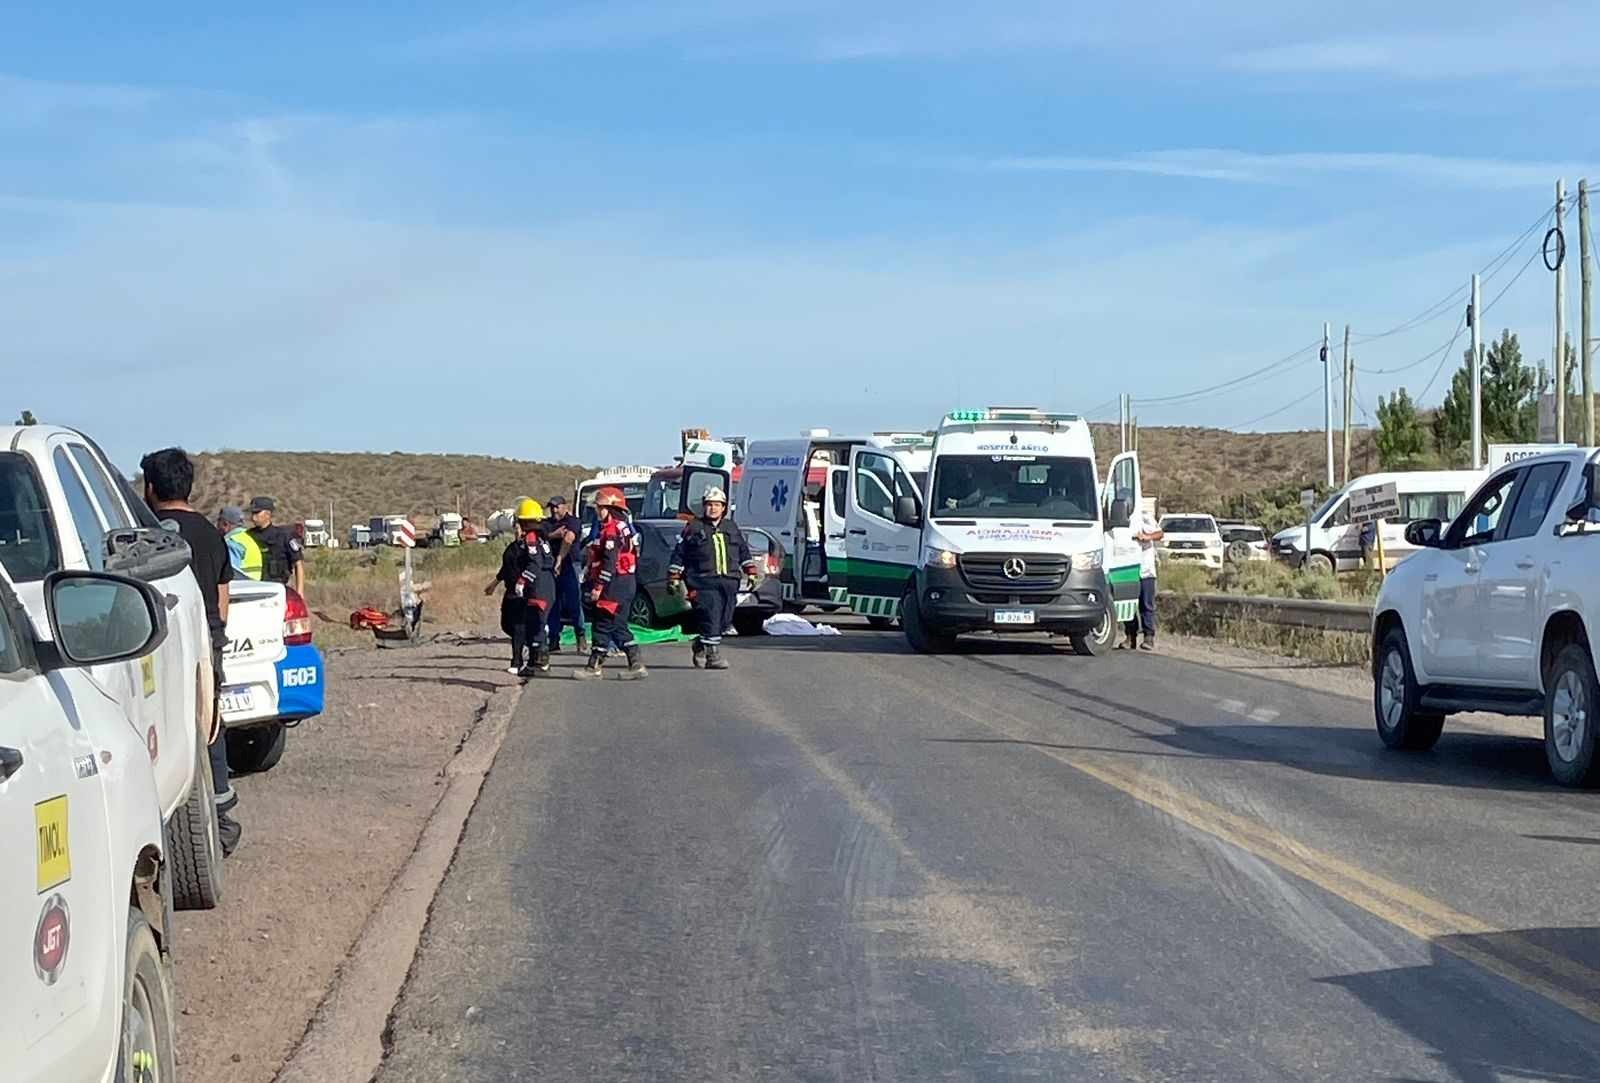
x=1477, y=376
x=1561, y=315
x=1349, y=385
x=1327, y=400
x=1586, y=331
x=1122, y=420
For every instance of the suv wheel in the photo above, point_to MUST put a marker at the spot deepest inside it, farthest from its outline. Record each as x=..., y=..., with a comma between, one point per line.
x=1395, y=699
x=1570, y=699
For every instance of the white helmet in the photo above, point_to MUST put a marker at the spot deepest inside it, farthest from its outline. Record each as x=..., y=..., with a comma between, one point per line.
x=714, y=495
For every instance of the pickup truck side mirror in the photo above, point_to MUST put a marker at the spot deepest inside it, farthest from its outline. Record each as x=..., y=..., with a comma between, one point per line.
x=1119, y=514
x=905, y=511
x=97, y=618
x=1424, y=533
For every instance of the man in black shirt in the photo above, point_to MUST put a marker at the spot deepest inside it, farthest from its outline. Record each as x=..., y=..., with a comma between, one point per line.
x=563, y=531
x=168, y=481
x=280, y=549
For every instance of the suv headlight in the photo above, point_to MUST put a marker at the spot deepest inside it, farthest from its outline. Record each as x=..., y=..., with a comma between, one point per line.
x=941, y=558
x=1089, y=561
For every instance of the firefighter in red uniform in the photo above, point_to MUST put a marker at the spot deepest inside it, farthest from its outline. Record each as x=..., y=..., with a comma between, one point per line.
x=712, y=554
x=609, y=584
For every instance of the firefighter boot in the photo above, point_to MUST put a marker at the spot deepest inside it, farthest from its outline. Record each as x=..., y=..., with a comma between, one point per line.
x=592, y=671
x=541, y=660
x=635, y=670
x=583, y=641
x=697, y=654
x=714, y=659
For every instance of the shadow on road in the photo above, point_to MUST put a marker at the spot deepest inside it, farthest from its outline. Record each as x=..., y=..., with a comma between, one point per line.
x=1481, y=1031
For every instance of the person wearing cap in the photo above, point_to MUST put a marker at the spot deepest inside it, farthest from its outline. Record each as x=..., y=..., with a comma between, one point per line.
x=711, y=555
x=243, y=552
x=563, y=530
x=280, y=549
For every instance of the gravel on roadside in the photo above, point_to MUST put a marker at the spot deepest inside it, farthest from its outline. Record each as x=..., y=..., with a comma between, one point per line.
x=325, y=832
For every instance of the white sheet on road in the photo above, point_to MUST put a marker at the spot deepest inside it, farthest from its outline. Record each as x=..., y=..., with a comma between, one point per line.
x=792, y=624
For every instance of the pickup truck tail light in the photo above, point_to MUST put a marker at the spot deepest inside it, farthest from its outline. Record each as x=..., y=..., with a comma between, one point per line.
x=296, y=619
x=774, y=564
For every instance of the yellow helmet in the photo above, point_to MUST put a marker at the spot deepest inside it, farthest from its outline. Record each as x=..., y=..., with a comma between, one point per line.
x=528, y=510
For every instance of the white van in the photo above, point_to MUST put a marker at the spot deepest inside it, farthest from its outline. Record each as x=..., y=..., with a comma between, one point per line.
x=799, y=490
x=1011, y=532
x=1335, y=542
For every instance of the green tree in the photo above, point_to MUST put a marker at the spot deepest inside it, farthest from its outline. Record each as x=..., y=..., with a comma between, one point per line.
x=27, y=418
x=1510, y=391
x=1401, y=439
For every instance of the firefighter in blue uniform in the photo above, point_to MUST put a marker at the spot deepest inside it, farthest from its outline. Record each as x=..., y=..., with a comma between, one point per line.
x=609, y=585
x=712, y=556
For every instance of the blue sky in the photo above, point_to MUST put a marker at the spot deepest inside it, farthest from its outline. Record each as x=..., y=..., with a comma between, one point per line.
x=567, y=230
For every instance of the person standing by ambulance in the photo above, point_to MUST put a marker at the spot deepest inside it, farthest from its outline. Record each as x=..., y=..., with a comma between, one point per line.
x=562, y=530
x=1146, y=531
x=711, y=556
x=609, y=585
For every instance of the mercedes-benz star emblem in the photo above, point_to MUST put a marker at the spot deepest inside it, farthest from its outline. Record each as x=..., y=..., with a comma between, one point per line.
x=1014, y=568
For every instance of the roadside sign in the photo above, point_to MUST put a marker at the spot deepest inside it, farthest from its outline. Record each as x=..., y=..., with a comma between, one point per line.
x=1374, y=503
x=407, y=534
x=1500, y=454
x=1308, y=499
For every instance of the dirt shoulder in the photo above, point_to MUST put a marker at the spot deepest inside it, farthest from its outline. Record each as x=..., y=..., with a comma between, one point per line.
x=325, y=833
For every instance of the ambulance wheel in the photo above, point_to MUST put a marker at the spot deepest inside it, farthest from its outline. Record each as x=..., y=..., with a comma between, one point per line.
x=256, y=748
x=1099, y=641
x=148, y=1046
x=923, y=640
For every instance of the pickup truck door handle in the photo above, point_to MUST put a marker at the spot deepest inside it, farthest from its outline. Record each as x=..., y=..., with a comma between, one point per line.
x=1431, y=577
x=1470, y=569
x=858, y=531
x=10, y=762
x=1525, y=563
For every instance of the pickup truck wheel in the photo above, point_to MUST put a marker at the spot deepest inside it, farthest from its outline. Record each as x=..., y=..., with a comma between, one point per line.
x=1099, y=641
x=1395, y=699
x=256, y=748
x=1319, y=564
x=147, y=1052
x=923, y=639
x=194, y=846
x=1569, y=719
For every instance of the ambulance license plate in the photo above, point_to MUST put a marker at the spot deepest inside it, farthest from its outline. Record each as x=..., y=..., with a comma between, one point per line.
x=1013, y=616
x=238, y=700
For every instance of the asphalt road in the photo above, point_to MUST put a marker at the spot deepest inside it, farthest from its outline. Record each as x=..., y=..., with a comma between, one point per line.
x=842, y=861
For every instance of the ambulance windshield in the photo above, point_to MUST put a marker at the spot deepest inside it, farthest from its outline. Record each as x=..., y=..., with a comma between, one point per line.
x=1014, y=486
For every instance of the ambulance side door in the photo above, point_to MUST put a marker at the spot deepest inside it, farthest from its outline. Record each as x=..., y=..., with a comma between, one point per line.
x=882, y=549
x=1119, y=505
x=772, y=489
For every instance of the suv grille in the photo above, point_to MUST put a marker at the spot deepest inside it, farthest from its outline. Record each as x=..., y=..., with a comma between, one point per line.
x=1043, y=573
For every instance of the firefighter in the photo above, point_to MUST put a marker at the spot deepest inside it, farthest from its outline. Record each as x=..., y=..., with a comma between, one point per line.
x=711, y=555
x=527, y=574
x=609, y=585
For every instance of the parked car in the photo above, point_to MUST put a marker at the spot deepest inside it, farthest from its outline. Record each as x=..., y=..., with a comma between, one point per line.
x=272, y=676
x=1498, y=611
x=1243, y=542
x=654, y=606
x=85, y=932
x=64, y=507
x=1335, y=542
x=1191, y=537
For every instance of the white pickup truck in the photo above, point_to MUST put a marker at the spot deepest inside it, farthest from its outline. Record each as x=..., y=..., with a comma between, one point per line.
x=64, y=507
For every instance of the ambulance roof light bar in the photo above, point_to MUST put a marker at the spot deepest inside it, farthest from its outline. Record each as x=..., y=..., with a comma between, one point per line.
x=1009, y=413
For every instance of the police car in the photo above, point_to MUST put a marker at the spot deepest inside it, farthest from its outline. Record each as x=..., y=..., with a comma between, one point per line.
x=272, y=677
x=85, y=935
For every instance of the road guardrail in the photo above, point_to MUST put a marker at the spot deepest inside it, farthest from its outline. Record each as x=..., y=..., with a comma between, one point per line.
x=1316, y=613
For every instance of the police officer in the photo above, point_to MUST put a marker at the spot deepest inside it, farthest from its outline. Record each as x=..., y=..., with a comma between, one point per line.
x=526, y=573
x=243, y=551
x=609, y=584
x=563, y=530
x=280, y=549
x=711, y=554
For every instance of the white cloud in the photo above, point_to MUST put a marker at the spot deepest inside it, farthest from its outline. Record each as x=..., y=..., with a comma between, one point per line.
x=1288, y=168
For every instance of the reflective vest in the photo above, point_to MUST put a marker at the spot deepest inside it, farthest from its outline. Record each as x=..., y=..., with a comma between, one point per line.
x=245, y=553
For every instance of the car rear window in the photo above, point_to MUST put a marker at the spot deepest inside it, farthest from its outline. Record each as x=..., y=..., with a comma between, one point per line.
x=28, y=548
x=1243, y=533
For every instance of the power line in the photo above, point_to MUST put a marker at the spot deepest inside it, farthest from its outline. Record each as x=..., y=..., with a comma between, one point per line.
x=1108, y=404
x=1429, y=356
x=1196, y=395
x=1445, y=352
x=1520, y=272
x=1286, y=406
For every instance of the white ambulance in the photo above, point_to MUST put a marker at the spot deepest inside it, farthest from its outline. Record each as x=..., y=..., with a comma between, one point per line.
x=1017, y=534
x=801, y=491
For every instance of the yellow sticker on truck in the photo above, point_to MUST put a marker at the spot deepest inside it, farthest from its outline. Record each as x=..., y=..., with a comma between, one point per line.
x=147, y=667
x=55, y=851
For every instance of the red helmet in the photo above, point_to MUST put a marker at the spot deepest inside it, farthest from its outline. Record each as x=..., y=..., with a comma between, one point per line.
x=610, y=497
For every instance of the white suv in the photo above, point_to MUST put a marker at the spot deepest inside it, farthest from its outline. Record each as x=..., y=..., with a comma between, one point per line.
x=85, y=947
x=1493, y=614
x=1191, y=537
x=63, y=506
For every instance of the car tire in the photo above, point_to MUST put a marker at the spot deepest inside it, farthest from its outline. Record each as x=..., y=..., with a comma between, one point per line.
x=1318, y=564
x=922, y=639
x=642, y=611
x=749, y=622
x=253, y=749
x=1396, y=697
x=1570, y=698
x=1098, y=642
x=194, y=844
x=148, y=1046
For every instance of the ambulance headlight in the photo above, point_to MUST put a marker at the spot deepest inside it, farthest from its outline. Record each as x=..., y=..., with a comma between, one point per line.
x=1087, y=562
x=941, y=558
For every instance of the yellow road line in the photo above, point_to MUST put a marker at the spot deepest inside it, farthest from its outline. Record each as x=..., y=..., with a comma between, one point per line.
x=1401, y=906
